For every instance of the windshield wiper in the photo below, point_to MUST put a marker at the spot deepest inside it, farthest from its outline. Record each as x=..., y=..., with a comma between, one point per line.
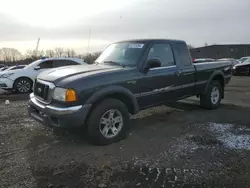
x=113, y=62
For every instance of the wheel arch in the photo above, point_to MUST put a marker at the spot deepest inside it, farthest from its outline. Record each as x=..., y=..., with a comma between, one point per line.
x=218, y=76
x=21, y=77
x=116, y=92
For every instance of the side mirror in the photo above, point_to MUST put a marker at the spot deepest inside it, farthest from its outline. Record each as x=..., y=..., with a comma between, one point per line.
x=37, y=68
x=152, y=63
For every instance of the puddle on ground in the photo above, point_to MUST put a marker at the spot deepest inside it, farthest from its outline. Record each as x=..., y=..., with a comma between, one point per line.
x=231, y=136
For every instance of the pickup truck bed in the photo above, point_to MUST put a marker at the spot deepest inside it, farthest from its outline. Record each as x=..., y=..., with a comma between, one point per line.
x=127, y=77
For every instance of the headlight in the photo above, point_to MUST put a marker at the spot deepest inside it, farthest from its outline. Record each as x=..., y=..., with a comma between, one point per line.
x=6, y=75
x=234, y=67
x=66, y=95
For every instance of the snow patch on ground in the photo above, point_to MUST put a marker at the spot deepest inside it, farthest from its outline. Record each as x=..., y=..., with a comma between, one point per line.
x=182, y=146
x=231, y=136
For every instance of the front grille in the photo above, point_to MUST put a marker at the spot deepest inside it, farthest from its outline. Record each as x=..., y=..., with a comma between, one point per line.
x=41, y=91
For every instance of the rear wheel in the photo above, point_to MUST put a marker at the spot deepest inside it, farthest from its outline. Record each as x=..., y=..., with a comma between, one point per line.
x=23, y=85
x=212, y=98
x=108, y=122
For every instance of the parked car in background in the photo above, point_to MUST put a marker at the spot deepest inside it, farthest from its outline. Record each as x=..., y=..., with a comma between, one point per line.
x=203, y=60
x=127, y=77
x=2, y=65
x=244, y=59
x=12, y=68
x=3, y=68
x=242, y=68
x=23, y=79
x=234, y=61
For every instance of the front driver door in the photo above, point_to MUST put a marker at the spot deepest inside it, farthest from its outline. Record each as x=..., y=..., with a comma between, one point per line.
x=160, y=84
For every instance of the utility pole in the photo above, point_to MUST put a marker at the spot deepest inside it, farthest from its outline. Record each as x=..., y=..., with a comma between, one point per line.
x=89, y=39
x=37, y=46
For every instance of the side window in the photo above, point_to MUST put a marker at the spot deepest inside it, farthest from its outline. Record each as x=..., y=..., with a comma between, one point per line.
x=46, y=65
x=184, y=54
x=163, y=52
x=69, y=62
x=61, y=63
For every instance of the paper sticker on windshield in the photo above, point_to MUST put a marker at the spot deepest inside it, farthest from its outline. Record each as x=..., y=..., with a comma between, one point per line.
x=136, y=46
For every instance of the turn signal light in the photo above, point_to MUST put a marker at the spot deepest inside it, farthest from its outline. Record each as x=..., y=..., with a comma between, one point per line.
x=71, y=95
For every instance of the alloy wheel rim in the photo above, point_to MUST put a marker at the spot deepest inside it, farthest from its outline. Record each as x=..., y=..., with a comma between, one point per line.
x=215, y=95
x=23, y=86
x=111, y=123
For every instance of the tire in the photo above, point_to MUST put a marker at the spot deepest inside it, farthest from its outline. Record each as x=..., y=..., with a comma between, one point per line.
x=212, y=102
x=23, y=85
x=102, y=133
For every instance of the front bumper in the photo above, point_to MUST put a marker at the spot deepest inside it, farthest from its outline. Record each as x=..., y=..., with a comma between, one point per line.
x=241, y=71
x=54, y=116
x=6, y=83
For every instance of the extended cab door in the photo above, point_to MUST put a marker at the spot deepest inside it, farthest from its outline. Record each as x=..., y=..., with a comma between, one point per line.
x=161, y=84
x=187, y=70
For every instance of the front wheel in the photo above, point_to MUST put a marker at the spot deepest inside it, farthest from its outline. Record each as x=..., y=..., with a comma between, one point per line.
x=108, y=122
x=23, y=85
x=212, y=98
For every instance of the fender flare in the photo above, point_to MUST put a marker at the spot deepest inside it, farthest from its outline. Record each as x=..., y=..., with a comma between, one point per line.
x=212, y=76
x=113, y=89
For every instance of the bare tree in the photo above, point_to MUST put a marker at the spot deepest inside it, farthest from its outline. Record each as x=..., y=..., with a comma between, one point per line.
x=29, y=53
x=70, y=53
x=10, y=54
x=32, y=54
x=59, y=52
x=90, y=58
x=50, y=53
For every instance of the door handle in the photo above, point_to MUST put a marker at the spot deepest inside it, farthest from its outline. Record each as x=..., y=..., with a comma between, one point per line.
x=177, y=73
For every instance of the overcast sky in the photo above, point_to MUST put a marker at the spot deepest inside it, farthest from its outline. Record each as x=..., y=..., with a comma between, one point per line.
x=66, y=23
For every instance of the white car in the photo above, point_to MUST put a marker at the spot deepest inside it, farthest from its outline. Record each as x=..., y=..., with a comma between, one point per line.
x=22, y=80
x=3, y=69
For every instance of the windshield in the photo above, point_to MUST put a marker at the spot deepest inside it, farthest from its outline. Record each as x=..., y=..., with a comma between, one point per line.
x=33, y=63
x=243, y=59
x=15, y=67
x=124, y=54
x=247, y=60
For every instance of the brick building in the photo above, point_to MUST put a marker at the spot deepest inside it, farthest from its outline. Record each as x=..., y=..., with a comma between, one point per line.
x=221, y=51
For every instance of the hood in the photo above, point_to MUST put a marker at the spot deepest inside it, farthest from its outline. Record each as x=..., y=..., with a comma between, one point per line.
x=9, y=71
x=58, y=74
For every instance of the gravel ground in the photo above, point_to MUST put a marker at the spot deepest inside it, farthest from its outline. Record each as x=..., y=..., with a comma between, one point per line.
x=181, y=145
x=2, y=91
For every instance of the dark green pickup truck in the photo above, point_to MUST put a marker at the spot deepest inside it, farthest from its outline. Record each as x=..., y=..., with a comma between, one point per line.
x=127, y=77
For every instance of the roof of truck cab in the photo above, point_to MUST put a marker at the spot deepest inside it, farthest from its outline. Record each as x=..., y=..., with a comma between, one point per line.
x=151, y=40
